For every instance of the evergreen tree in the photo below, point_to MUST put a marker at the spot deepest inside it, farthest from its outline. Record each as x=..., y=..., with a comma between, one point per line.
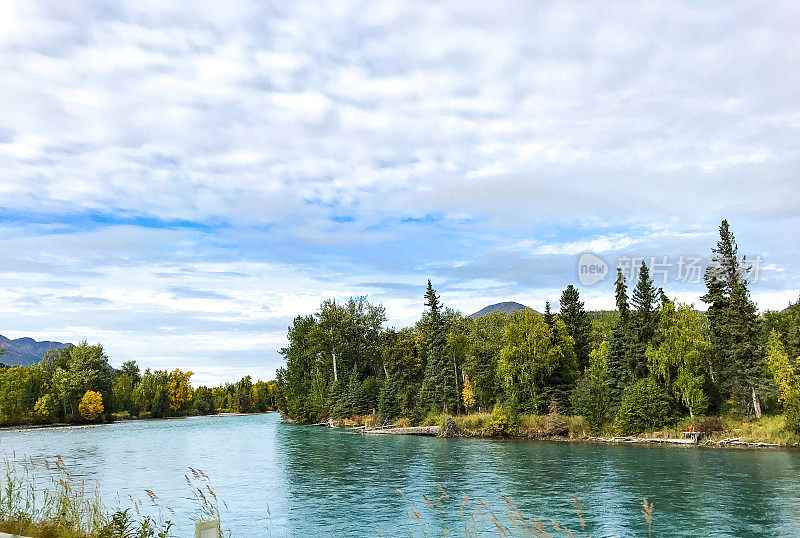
x=161, y=407
x=620, y=347
x=565, y=373
x=578, y=326
x=439, y=386
x=737, y=358
x=618, y=376
x=662, y=298
x=336, y=400
x=388, y=405
x=621, y=294
x=644, y=322
x=549, y=318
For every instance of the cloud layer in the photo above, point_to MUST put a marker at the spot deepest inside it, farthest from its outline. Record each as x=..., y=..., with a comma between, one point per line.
x=180, y=180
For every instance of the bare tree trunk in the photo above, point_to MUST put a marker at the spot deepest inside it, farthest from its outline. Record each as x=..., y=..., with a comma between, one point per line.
x=335, y=373
x=455, y=380
x=756, y=403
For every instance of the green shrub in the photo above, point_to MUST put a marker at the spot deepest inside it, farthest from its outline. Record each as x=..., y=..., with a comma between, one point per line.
x=644, y=407
x=792, y=409
x=590, y=399
x=46, y=408
x=499, y=421
x=433, y=419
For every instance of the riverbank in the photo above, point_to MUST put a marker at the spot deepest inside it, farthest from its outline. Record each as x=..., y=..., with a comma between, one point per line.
x=73, y=425
x=766, y=432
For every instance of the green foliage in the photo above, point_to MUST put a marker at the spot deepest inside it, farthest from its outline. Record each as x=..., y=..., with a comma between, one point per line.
x=439, y=389
x=324, y=349
x=124, y=385
x=55, y=388
x=500, y=420
x=203, y=401
x=590, y=397
x=242, y=395
x=532, y=355
x=160, y=407
x=600, y=363
x=618, y=375
x=783, y=370
x=388, y=405
x=737, y=357
x=77, y=369
x=221, y=399
x=46, y=408
x=485, y=337
x=261, y=399
x=792, y=411
x=357, y=397
x=683, y=356
x=577, y=324
x=590, y=400
x=644, y=407
x=642, y=323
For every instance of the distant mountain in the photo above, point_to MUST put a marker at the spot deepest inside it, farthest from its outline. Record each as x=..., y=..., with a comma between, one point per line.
x=508, y=307
x=25, y=351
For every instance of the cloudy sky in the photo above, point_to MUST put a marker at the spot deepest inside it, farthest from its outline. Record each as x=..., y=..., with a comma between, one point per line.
x=179, y=180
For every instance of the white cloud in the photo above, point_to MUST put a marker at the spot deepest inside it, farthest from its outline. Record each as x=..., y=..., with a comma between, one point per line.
x=289, y=142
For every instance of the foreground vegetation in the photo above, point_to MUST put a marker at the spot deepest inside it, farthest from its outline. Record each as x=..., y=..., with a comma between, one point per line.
x=475, y=518
x=42, y=499
x=651, y=365
x=76, y=384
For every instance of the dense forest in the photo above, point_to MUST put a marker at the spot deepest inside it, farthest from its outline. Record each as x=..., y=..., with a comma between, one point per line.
x=76, y=384
x=642, y=366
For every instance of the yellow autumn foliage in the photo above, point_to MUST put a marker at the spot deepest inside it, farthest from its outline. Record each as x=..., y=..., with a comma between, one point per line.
x=91, y=406
x=178, y=388
x=467, y=395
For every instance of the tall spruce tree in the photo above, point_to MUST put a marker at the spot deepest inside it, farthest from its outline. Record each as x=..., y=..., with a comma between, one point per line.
x=388, y=404
x=662, y=298
x=549, y=318
x=644, y=322
x=737, y=358
x=621, y=295
x=617, y=364
x=578, y=326
x=618, y=375
x=439, y=386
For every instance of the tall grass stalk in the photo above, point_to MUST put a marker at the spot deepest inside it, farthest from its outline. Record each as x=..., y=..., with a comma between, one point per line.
x=477, y=519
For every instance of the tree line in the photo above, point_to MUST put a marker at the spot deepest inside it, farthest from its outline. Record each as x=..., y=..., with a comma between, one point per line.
x=77, y=384
x=641, y=366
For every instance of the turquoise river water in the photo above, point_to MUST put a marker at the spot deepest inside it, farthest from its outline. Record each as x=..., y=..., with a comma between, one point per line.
x=325, y=482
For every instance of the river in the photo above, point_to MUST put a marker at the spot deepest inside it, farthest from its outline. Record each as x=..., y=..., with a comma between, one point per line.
x=319, y=481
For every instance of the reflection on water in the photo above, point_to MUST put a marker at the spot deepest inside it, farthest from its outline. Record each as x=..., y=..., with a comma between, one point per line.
x=331, y=482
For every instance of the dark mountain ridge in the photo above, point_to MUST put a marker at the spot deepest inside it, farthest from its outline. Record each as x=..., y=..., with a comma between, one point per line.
x=25, y=351
x=508, y=307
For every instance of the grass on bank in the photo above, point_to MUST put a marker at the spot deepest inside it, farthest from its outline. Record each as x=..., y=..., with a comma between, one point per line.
x=767, y=429
x=44, y=500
